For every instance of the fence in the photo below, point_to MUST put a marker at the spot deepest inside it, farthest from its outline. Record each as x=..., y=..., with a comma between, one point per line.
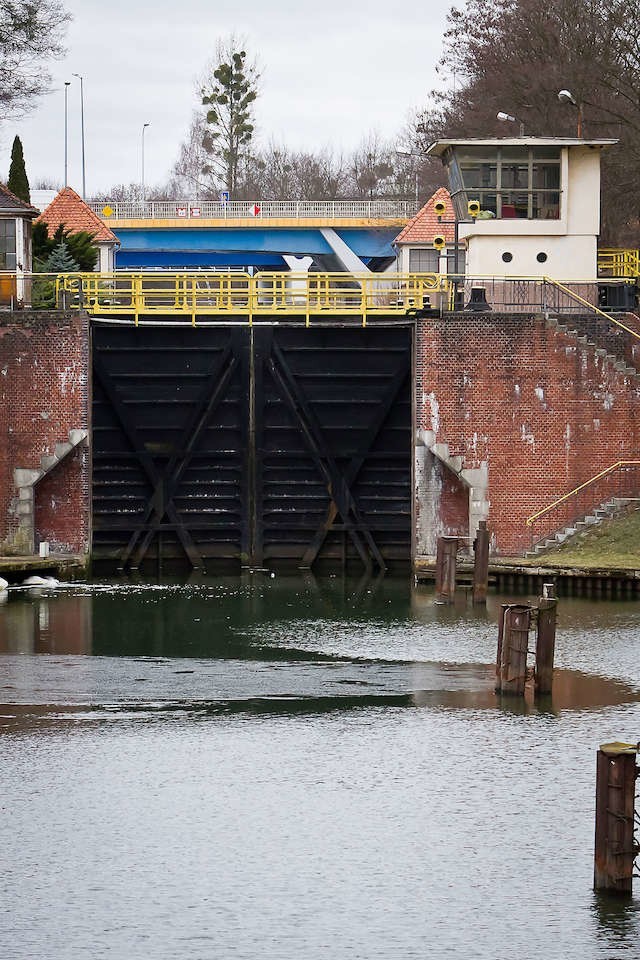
x=255, y=210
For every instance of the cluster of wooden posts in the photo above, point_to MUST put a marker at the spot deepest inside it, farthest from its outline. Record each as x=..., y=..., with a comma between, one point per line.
x=616, y=843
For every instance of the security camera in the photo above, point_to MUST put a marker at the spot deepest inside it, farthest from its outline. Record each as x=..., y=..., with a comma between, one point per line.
x=504, y=117
x=565, y=96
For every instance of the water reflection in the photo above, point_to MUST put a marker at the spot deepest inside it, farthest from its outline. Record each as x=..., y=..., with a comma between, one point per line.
x=315, y=645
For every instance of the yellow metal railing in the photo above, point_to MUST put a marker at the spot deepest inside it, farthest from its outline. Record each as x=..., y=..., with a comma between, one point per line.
x=619, y=262
x=201, y=294
x=590, y=306
x=621, y=479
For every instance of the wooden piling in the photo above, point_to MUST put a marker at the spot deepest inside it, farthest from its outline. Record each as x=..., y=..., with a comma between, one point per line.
x=481, y=564
x=447, y=551
x=513, y=649
x=615, y=848
x=545, y=640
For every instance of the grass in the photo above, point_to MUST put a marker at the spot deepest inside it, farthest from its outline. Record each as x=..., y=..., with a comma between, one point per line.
x=611, y=545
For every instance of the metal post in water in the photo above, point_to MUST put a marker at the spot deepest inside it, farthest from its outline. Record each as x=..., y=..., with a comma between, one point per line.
x=513, y=641
x=545, y=640
x=615, y=846
x=447, y=551
x=481, y=564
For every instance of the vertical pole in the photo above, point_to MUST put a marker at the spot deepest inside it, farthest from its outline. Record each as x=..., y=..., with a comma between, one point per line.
x=545, y=640
x=513, y=653
x=503, y=609
x=447, y=550
x=84, y=182
x=67, y=84
x=481, y=564
x=615, y=848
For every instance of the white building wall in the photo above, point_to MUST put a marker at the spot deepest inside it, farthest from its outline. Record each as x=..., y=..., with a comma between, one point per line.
x=570, y=242
x=568, y=258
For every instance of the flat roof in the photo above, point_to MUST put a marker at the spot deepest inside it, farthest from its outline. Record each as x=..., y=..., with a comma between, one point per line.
x=438, y=148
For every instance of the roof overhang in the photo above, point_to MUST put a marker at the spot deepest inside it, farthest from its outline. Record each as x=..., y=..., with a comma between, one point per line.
x=439, y=147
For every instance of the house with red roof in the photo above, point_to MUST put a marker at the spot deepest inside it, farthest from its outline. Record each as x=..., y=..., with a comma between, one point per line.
x=415, y=244
x=69, y=209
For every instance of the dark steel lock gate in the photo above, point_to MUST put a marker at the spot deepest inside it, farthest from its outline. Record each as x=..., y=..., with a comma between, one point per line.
x=259, y=444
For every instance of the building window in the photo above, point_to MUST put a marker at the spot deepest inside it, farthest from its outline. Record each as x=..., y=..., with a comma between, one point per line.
x=7, y=245
x=517, y=182
x=423, y=260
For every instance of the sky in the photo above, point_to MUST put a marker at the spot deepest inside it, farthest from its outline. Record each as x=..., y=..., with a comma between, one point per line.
x=331, y=73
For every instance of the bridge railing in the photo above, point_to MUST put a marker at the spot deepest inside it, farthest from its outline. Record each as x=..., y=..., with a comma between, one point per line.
x=255, y=209
x=233, y=294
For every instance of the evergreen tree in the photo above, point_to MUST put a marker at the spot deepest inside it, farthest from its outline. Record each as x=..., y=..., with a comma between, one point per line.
x=61, y=261
x=80, y=246
x=18, y=182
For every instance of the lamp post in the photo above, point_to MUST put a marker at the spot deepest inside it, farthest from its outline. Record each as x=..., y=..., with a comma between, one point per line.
x=565, y=96
x=84, y=184
x=507, y=118
x=144, y=127
x=408, y=153
x=67, y=84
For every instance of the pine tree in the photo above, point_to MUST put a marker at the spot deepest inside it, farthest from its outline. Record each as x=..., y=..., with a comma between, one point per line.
x=61, y=260
x=18, y=182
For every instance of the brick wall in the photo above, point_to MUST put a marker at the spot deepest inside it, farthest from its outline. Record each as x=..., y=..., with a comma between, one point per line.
x=44, y=393
x=541, y=410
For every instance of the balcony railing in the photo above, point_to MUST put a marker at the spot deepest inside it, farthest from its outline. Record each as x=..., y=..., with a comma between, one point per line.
x=255, y=210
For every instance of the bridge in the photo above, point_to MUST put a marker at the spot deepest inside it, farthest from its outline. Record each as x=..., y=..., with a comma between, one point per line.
x=343, y=235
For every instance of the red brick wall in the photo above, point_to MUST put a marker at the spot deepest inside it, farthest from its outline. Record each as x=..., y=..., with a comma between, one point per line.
x=544, y=412
x=44, y=393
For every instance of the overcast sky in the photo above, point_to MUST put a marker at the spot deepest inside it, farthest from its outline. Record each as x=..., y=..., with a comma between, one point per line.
x=332, y=72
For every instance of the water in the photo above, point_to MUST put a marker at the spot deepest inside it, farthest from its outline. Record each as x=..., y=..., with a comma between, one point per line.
x=279, y=768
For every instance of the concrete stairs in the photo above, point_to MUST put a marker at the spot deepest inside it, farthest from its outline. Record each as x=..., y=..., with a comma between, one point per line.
x=25, y=480
x=604, y=511
x=584, y=333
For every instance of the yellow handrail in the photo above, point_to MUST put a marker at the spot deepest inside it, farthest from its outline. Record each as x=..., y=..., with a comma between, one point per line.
x=619, y=262
x=572, y=493
x=585, y=303
x=264, y=294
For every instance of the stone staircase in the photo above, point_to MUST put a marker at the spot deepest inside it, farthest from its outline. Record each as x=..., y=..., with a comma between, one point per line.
x=610, y=344
x=604, y=511
x=25, y=480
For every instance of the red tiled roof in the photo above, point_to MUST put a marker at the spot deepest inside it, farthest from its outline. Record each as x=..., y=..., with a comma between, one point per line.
x=69, y=208
x=9, y=201
x=425, y=226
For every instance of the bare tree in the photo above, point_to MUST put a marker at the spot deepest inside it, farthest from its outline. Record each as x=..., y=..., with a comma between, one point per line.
x=515, y=56
x=31, y=33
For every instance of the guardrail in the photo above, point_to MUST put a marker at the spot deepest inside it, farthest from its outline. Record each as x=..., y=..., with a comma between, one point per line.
x=219, y=295
x=618, y=262
x=620, y=480
x=255, y=209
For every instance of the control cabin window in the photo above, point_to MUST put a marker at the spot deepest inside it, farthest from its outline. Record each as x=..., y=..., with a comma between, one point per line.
x=7, y=245
x=423, y=260
x=512, y=182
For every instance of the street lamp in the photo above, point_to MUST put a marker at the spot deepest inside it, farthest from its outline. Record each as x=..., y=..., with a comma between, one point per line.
x=67, y=84
x=507, y=118
x=144, y=127
x=409, y=153
x=84, y=184
x=565, y=96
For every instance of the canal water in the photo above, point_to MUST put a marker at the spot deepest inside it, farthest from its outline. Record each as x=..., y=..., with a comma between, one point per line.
x=297, y=768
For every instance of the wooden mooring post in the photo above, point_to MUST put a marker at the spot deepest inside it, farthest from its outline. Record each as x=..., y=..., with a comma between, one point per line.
x=615, y=845
x=447, y=551
x=481, y=563
x=545, y=641
x=513, y=640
